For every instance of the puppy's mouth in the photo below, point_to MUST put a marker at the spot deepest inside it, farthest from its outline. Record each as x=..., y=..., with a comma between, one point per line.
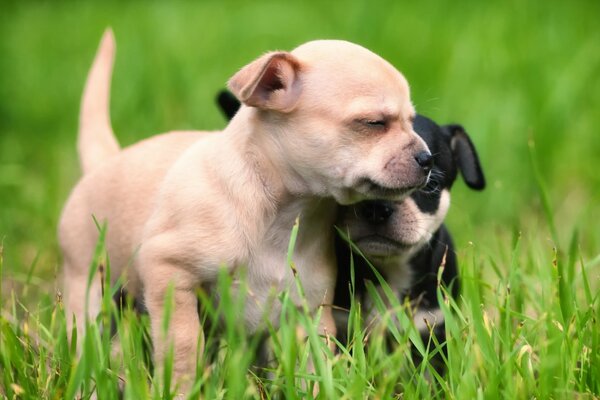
x=381, y=246
x=375, y=190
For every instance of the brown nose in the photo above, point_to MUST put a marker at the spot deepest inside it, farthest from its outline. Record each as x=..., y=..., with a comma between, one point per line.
x=425, y=160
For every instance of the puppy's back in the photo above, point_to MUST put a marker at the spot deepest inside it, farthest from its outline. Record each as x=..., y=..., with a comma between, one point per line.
x=121, y=193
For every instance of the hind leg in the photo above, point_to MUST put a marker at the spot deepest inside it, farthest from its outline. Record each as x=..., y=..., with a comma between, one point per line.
x=77, y=293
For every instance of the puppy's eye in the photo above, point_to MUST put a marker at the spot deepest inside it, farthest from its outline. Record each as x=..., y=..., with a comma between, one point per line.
x=375, y=123
x=367, y=124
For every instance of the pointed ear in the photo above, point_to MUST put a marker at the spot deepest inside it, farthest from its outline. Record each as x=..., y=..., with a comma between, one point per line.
x=269, y=83
x=228, y=104
x=466, y=157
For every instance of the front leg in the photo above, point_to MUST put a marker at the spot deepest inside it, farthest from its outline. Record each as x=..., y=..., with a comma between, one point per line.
x=327, y=327
x=183, y=332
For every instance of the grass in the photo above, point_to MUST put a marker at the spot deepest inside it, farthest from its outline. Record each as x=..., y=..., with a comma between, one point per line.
x=530, y=334
x=520, y=76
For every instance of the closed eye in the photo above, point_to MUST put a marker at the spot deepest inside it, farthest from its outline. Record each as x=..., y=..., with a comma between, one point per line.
x=375, y=123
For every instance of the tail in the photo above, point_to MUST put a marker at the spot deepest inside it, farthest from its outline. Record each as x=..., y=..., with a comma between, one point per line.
x=96, y=141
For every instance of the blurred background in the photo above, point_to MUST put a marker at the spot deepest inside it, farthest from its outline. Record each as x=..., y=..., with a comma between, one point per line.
x=523, y=77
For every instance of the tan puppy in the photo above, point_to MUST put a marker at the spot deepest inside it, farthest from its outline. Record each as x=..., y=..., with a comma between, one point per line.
x=329, y=121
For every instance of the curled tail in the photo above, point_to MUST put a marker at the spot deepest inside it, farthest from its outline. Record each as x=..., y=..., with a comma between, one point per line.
x=96, y=141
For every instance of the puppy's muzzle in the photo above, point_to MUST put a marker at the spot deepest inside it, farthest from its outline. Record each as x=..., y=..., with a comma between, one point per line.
x=407, y=178
x=424, y=163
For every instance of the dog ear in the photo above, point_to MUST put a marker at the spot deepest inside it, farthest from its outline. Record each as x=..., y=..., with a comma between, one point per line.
x=228, y=104
x=270, y=82
x=466, y=157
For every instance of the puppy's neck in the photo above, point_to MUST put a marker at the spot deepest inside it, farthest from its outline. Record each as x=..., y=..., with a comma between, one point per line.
x=258, y=139
x=286, y=195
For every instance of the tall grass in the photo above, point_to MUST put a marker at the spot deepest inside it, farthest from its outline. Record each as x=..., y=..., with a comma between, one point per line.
x=526, y=336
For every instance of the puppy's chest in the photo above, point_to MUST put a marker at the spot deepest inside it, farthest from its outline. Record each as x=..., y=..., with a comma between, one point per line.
x=269, y=274
x=399, y=276
x=264, y=273
x=258, y=288
x=398, y=272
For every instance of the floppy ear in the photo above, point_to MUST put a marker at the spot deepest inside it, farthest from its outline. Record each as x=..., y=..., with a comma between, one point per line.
x=228, y=103
x=466, y=157
x=270, y=82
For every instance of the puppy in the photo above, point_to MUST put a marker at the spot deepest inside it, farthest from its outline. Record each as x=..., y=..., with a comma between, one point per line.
x=406, y=241
x=183, y=205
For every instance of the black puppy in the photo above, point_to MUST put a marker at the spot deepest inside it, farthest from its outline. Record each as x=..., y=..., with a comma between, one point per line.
x=405, y=241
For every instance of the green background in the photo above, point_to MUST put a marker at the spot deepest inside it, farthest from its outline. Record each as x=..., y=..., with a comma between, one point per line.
x=514, y=73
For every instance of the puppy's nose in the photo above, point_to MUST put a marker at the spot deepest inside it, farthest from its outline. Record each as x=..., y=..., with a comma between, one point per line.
x=376, y=212
x=425, y=160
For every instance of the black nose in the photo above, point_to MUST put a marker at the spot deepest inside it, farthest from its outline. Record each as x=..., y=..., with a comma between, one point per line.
x=425, y=160
x=376, y=212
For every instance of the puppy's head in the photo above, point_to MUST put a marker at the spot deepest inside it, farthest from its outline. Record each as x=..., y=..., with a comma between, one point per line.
x=384, y=229
x=341, y=118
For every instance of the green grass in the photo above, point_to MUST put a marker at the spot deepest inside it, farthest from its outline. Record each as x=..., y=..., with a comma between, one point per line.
x=521, y=76
x=528, y=334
